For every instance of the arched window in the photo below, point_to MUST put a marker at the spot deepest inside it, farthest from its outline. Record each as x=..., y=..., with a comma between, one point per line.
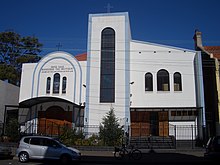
x=64, y=85
x=163, y=82
x=177, y=81
x=148, y=82
x=56, y=83
x=107, y=74
x=48, y=85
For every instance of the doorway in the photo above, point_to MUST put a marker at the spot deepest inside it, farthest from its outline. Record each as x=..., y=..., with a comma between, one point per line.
x=146, y=123
x=53, y=120
x=154, y=124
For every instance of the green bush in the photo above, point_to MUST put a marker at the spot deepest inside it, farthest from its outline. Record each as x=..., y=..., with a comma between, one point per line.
x=70, y=136
x=110, y=130
x=12, y=130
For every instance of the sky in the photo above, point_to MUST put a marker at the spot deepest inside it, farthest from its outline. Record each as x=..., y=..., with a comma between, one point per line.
x=167, y=22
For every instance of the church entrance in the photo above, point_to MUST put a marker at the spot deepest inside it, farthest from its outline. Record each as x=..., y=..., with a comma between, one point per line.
x=149, y=123
x=153, y=123
x=53, y=120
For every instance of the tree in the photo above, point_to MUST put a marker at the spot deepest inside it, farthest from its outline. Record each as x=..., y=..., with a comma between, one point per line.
x=109, y=130
x=69, y=136
x=15, y=50
x=8, y=72
x=12, y=130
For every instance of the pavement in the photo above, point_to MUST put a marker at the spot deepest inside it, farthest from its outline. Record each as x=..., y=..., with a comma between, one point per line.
x=150, y=157
x=194, y=152
x=172, y=156
x=157, y=156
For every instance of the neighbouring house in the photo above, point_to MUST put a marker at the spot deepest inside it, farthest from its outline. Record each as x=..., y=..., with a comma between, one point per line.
x=210, y=66
x=9, y=96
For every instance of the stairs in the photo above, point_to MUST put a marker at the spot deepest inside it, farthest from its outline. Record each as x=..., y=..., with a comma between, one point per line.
x=153, y=142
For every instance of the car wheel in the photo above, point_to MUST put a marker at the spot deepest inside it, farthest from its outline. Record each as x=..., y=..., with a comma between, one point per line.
x=65, y=159
x=23, y=157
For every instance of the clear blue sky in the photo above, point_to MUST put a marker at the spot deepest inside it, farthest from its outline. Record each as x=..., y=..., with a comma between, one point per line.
x=169, y=22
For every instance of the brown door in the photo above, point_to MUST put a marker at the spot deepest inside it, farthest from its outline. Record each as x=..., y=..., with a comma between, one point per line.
x=145, y=129
x=140, y=124
x=135, y=129
x=163, y=124
x=53, y=120
x=52, y=126
x=149, y=123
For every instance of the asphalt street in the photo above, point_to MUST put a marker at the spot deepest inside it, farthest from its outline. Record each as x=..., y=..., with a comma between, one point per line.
x=106, y=157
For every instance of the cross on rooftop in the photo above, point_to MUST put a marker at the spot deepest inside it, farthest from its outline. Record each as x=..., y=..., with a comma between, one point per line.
x=109, y=8
x=58, y=46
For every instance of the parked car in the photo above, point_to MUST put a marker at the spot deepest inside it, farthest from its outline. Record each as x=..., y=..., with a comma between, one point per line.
x=213, y=147
x=43, y=147
x=5, y=151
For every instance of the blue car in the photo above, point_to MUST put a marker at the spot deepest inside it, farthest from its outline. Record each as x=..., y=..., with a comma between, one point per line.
x=43, y=147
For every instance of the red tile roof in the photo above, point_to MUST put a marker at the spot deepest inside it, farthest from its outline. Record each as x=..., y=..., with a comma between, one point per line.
x=215, y=50
x=81, y=57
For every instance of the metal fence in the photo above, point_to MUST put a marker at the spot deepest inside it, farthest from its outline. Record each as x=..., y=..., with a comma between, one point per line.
x=180, y=132
x=185, y=136
x=183, y=132
x=1, y=128
x=182, y=135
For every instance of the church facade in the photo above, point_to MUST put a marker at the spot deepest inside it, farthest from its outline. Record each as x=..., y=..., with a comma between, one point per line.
x=152, y=88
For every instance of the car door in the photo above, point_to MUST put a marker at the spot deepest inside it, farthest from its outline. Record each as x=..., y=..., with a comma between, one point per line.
x=53, y=150
x=36, y=148
x=44, y=148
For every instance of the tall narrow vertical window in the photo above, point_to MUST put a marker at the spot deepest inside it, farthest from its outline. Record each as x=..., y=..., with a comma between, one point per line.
x=56, y=83
x=107, y=74
x=148, y=82
x=64, y=85
x=163, y=82
x=48, y=85
x=177, y=81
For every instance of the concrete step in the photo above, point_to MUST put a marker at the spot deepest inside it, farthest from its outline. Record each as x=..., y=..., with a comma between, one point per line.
x=155, y=142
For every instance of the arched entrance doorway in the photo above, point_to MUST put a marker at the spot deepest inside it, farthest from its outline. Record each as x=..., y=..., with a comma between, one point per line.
x=48, y=115
x=53, y=120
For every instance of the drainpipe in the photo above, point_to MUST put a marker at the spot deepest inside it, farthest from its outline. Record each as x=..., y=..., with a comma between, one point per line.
x=218, y=92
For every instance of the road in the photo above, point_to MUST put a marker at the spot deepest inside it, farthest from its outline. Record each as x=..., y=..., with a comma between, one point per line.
x=106, y=157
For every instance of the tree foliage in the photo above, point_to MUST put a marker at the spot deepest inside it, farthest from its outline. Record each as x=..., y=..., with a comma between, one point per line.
x=69, y=136
x=109, y=130
x=15, y=50
x=8, y=72
x=12, y=130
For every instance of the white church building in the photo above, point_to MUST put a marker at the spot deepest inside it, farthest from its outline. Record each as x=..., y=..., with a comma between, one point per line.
x=152, y=88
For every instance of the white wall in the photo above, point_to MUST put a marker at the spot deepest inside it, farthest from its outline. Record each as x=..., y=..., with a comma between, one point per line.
x=26, y=81
x=144, y=59
x=95, y=110
x=183, y=130
x=34, y=77
x=83, y=65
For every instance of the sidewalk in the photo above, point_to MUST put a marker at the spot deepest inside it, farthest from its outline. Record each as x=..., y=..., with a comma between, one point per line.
x=151, y=158
x=193, y=152
x=108, y=151
x=156, y=157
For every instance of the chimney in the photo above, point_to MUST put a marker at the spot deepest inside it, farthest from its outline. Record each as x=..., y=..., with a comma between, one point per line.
x=197, y=39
